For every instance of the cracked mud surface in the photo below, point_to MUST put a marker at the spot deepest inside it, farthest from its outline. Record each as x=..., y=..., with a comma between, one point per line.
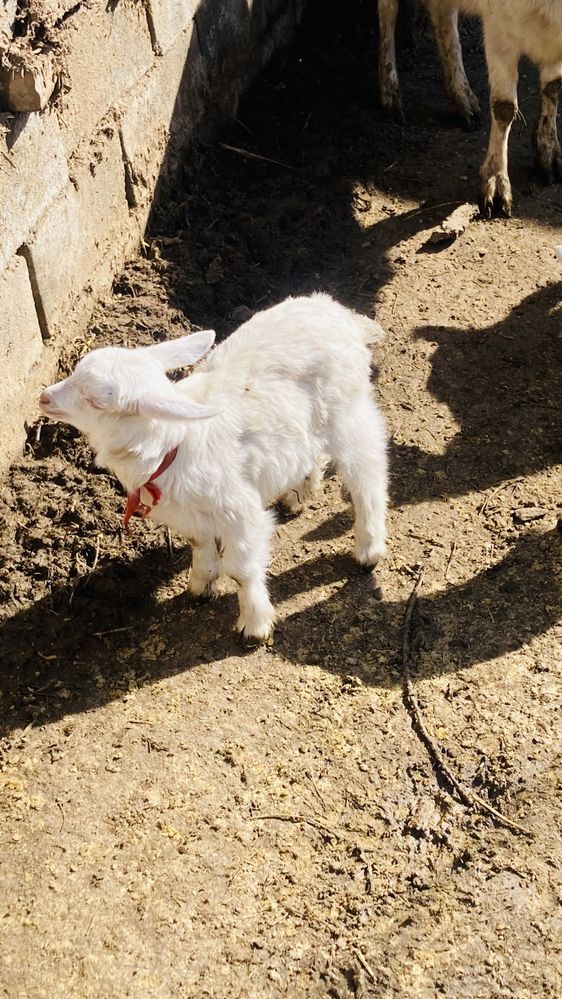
x=183, y=818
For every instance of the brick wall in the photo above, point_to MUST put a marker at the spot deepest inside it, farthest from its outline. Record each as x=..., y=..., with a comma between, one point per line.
x=122, y=88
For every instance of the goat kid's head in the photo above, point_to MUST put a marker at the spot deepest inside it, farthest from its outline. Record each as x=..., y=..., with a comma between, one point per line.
x=114, y=382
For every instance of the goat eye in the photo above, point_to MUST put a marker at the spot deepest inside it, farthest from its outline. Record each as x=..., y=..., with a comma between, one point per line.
x=93, y=403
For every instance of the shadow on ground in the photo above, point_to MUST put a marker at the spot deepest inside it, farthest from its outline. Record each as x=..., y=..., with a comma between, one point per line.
x=82, y=646
x=502, y=384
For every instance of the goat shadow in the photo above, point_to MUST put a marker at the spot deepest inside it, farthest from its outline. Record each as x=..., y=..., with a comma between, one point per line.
x=503, y=386
x=92, y=647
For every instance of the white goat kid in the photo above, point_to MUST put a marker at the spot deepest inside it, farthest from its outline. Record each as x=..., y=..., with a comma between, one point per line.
x=512, y=28
x=252, y=424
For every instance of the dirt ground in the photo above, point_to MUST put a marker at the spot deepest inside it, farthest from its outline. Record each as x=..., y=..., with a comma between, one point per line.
x=180, y=817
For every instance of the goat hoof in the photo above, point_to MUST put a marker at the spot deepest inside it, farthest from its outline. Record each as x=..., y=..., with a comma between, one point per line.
x=250, y=642
x=549, y=166
x=365, y=569
x=468, y=108
x=210, y=592
x=495, y=195
x=392, y=104
x=199, y=599
x=492, y=207
x=471, y=121
x=368, y=555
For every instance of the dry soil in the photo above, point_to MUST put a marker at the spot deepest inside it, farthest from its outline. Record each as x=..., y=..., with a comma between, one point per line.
x=180, y=817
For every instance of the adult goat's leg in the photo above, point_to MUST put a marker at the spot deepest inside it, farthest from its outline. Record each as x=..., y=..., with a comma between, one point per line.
x=444, y=19
x=545, y=136
x=388, y=73
x=502, y=59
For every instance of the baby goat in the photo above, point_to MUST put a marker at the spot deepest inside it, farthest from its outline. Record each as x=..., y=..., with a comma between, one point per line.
x=253, y=424
x=512, y=28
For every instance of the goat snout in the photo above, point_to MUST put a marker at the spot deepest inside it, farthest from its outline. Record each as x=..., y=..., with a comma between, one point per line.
x=47, y=406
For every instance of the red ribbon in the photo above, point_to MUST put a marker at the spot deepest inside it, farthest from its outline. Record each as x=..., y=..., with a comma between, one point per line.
x=133, y=498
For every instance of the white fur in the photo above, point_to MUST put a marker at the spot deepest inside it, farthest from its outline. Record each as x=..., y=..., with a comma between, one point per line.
x=253, y=423
x=512, y=28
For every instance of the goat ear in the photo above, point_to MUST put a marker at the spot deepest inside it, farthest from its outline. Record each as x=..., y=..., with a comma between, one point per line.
x=170, y=408
x=182, y=352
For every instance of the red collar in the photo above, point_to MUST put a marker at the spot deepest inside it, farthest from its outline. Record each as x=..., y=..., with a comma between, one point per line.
x=133, y=498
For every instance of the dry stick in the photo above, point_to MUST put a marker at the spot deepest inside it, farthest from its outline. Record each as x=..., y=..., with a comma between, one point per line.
x=450, y=559
x=59, y=806
x=469, y=798
x=96, y=556
x=432, y=208
x=303, y=818
x=169, y=543
x=92, y=570
x=111, y=631
x=8, y=160
x=249, y=130
x=254, y=156
x=504, y=485
x=366, y=967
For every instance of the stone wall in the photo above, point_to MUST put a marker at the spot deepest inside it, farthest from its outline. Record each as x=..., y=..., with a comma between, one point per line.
x=98, y=103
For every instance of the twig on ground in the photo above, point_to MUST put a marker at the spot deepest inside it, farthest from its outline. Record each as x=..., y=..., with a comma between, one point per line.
x=169, y=543
x=96, y=556
x=110, y=631
x=249, y=130
x=504, y=485
x=450, y=559
x=254, y=156
x=468, y=798
x=433, y=208
x=8, y=160
x=366, y=967
x=315, y=789
x=59, y=806
x=303, y=818
x=73, y=586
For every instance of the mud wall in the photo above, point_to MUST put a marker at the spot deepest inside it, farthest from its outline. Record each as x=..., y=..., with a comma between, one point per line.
x=98, y=104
